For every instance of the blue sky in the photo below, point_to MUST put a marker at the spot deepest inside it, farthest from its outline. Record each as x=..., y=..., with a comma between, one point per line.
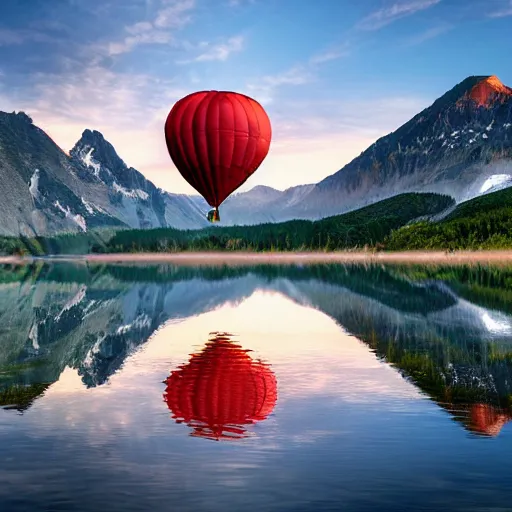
x=334, y=75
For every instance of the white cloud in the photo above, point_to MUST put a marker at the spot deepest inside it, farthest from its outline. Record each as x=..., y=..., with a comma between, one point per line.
x=328, y=56
x=129, y=43
x=267, y=86
x=387, y=15
x=217, y=52
x=174, y=14
x=140, y=27
x=371, y=117
x=301, y=74
x=430, y=33
x=503, y=13
x=294, y=76
x=9, y=37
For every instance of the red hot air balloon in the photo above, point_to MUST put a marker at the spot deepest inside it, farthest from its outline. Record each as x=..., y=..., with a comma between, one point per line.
x=217, y=139
x=220, y=390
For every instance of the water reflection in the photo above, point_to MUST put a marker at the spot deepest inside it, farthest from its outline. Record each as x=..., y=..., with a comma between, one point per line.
x=389, y=379
x=221, y=390
x=448, y=330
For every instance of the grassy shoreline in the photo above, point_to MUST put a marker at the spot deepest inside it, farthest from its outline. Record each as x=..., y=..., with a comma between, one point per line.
x=250, y=258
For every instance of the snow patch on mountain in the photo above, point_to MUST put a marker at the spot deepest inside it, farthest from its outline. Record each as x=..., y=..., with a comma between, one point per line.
x=88, y=360
x=33, y=336
x=34, y=185
x=142, y=321
x=77, y=218
x=87, y=311
x=74, y=301
x=136, y=193
x=496, y=182
x=499, y=324
x=88, y=206
x=87, y=159
x=493, y=323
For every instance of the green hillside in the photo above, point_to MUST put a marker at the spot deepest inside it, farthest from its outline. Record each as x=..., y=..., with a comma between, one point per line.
x=481, y=223
x=366, y=226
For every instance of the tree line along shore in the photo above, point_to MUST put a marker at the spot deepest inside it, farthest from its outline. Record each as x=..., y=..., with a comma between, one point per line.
x=411, y=221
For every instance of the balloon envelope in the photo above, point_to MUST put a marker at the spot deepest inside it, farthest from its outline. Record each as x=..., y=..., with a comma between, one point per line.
x=220, y=390
x=216, y=140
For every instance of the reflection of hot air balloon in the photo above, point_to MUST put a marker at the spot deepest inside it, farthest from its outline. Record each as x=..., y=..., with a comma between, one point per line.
x=217, y=139
x=220, y=390
x=486, y=420
x=480, y=419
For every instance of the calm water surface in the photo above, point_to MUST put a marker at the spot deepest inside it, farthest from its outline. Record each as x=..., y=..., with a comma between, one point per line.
x=293, y=388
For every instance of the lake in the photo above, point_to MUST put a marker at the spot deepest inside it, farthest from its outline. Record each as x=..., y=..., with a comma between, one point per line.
x=274, y=387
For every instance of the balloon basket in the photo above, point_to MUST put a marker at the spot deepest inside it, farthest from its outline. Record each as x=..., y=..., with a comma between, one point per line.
x=213, y=215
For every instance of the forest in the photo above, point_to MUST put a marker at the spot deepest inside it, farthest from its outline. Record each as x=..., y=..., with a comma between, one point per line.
x=481, y=223
x=403, y=222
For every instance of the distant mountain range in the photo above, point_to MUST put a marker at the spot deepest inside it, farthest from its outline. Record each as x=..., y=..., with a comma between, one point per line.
x=459, y=146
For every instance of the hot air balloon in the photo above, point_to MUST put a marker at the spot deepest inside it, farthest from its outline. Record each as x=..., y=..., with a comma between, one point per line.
x=216, y=140
x=220, y=390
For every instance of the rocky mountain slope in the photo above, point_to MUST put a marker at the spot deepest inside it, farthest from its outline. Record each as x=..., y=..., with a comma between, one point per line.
x=47, y=191
x=460, y=146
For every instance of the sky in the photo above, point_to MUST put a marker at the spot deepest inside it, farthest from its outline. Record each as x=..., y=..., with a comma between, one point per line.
x=333, y=75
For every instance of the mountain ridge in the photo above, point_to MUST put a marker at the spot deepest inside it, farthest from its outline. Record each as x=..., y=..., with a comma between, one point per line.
x=449, y=148
x=49, y=191
x=461, y=146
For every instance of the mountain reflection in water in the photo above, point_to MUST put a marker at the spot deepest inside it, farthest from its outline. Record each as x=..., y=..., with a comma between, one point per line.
x=220, y=390
x=109, y=367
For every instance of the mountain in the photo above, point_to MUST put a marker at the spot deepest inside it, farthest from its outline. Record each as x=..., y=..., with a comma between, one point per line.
x=459, y=146
x=47, y=191
x=261, y=205
x=452, y=147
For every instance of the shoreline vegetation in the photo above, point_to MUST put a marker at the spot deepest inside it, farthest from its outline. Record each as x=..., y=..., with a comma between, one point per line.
x=278, y=258
x=400, y=224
